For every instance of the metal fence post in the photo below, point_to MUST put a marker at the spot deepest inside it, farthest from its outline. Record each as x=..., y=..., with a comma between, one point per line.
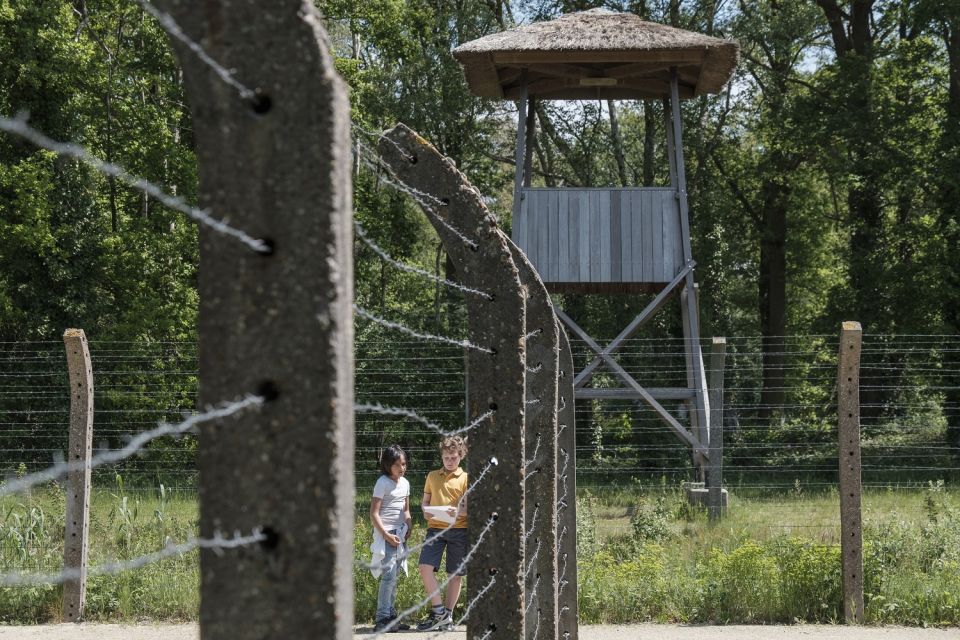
x=75, y=543
x=497, y=379
x=279, y=325
x=851, y=529
x=715, y=501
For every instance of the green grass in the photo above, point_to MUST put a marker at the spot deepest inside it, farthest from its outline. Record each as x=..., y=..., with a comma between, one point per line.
x=642, y=556
x=123, y=525
x=772, y=559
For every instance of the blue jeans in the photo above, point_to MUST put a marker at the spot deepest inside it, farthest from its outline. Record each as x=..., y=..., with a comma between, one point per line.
x=388, y=584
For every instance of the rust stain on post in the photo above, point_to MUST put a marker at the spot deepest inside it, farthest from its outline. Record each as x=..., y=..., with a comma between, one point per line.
x=78, y=480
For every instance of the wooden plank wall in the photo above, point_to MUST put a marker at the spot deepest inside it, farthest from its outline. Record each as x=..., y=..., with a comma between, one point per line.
x=601, y=235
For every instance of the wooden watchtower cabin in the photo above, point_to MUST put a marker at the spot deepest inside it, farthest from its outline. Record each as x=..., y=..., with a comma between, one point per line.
x=610, y=240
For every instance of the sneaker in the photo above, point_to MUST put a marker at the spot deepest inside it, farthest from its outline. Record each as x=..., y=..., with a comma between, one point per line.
x=437, y=621
x=385, y=625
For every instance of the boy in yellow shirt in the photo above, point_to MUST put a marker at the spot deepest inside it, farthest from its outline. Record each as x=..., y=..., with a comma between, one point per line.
x=445, y=487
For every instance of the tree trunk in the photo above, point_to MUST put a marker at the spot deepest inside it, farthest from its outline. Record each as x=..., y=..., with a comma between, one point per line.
x=617, y=140
x=561, y=145
x=649, y=143
x=853, y=45
x=772, y=286
x=949, y=196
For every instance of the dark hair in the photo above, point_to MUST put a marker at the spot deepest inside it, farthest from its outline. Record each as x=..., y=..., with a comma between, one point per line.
x=389, y=456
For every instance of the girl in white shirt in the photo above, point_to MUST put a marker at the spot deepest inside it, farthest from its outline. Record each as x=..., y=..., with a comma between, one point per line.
x=390, y=515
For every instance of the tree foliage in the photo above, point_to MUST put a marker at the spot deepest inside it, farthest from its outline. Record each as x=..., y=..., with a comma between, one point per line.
x=823, y=182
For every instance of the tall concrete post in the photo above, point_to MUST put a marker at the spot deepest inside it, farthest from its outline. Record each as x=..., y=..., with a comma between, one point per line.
x=568, y=611
x=497, y=325
x=540, y=466
x=851, y=521
x=714, y=480
x=278, y=324
x=77, y=523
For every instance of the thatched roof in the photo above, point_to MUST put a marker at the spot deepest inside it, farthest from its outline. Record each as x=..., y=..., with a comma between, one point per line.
x=596, y=54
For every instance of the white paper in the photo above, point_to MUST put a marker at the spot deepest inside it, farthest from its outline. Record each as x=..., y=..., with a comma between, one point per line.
x=440, y=513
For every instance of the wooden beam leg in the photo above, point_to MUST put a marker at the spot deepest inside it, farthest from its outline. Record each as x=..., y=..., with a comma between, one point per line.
x=648, y=312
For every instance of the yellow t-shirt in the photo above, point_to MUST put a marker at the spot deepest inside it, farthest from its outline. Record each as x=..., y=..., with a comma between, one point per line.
x=446, y=488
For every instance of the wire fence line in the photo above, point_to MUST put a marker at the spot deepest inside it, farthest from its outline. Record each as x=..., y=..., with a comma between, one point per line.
x=217, y=543
x=615, y=438
x=904, y=442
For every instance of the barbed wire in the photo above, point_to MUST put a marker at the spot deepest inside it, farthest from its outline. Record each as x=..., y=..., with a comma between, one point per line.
x=217, y=543
x=171, y=27
x=463, y=564
x=412, y=269
x=18, y=126
x=421, y=197
x=137, y=443
x=413, y=415
x=425, y=336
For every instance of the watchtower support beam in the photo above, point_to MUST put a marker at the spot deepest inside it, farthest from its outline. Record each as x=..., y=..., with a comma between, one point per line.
x=696, y=377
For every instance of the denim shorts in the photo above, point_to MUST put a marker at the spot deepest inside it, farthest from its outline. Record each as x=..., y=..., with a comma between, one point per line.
x=454, y=541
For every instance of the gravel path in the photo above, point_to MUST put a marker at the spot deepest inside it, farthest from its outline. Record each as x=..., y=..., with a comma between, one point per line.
x=632, y=632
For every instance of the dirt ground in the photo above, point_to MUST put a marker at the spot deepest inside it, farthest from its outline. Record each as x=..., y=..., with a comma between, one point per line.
x=631, y=632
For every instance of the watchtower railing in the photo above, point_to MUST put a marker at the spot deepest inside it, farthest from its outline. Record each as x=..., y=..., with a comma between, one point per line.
x=601, y=240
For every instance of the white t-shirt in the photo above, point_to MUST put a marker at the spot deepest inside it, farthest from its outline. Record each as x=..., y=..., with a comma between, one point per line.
x=394, y=496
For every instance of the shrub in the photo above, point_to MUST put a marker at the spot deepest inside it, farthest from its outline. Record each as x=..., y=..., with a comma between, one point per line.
x=742, y=585
x=810, y=580
x=616, y=590
x=651, y=524
x=587, y=544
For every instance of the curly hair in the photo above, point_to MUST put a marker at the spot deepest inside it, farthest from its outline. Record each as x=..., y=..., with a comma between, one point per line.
x=454, y=443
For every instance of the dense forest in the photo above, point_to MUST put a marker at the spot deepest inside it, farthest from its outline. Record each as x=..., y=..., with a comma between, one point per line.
x=823, y=182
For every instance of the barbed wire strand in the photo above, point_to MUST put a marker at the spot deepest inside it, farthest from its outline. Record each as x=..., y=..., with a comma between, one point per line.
x=135, y=445
x=412, y=269
x=413, y=415
x=18, y=126
x=426, y=336
x=170, y=26
x=217, y=543
x=420, y=197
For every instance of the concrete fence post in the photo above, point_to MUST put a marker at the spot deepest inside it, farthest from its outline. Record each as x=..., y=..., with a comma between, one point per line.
x=540, y=438
x=851, y=522
x=568, y=611
x=276, y=324
x=483, y=260
x=75, y=542
x=716, y=502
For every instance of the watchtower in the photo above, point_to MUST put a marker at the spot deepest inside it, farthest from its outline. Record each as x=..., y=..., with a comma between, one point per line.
x=610, y=240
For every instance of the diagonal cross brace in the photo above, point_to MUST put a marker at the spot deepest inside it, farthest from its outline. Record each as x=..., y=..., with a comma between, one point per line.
x=584, y=376
x=672, y=422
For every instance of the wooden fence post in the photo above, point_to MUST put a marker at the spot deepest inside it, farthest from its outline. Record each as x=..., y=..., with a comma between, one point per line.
x=568, y=611
x=77, y=527
x=279, y=324
x=715, y=501
x=482, y=256
x=851, y=529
